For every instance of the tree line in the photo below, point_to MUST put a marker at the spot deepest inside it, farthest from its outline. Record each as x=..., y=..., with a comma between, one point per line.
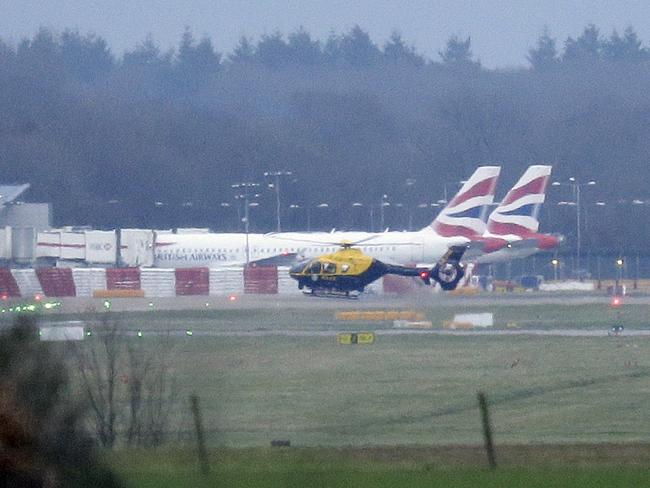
x=155, y=138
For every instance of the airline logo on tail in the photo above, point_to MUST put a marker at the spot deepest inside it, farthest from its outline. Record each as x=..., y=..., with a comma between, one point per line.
x=517, y=213
x=464, y=215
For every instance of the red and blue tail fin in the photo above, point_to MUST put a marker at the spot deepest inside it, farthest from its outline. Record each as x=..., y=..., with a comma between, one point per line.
x=517, y=214
x=465, y=214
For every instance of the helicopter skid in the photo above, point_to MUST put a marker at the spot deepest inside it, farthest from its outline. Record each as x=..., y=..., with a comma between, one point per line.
x=331, y=294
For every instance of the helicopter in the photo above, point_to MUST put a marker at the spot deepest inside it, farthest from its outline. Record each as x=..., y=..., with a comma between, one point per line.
x=350, y=270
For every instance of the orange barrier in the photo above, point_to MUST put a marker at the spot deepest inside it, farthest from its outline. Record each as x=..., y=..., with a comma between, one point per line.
x=118, y=293
x=380, y=315
x=450, y=324
x=465, y=291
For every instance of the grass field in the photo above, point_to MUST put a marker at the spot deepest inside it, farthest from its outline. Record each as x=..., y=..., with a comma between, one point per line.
x=417, y=390
x=522, y=466
x=566, y=411
x=526, y=315
x=406, y=390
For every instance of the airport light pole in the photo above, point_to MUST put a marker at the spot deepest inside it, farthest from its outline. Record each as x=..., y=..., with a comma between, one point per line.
x=455, y=183
x=322, y=205
x=555, y=262
x=295, y=206
x=619, y=273
x=276, y=185
x=577, y=186
x=358, y=205
x=384, y=203
x=244, y=191
x=410, y=183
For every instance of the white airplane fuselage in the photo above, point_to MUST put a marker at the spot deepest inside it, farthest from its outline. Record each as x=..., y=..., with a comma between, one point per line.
x=218, y=250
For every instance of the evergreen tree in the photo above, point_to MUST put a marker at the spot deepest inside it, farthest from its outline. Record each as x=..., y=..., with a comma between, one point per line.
x=243, y=53
x=626, y=48
x=357, y=49
x=396, y=51
x=272, y=51
x=6, y=52
x=87, y=57
x=457, y=52
x=587, y=48
x=302, y=49
x=200, y=59
x=43, y=49
x=544, y=55
x=147, y=53
x=332, y=48
x=196, y=63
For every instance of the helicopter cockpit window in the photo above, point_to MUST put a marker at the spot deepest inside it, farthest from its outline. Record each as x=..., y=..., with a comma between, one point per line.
x=314, y=268
x=345, y=268
x=329, y=268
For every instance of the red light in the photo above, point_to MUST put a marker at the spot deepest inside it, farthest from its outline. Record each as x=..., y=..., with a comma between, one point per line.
x=5, y=297
x=38, y=297
x=424, y=275
x=616, y=302
x=232, y=298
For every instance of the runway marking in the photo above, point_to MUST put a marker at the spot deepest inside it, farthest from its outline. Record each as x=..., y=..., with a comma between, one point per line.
x=378, y=332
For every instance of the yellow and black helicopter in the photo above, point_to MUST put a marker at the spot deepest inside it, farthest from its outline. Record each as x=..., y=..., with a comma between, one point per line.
x=350, y=270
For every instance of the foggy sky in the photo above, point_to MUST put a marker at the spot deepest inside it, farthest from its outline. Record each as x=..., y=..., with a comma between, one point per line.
x=501, y=31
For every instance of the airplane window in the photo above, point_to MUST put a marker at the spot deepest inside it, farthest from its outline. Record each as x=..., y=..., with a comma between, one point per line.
x=315, y=267
x=329, y=268
x=345, y=268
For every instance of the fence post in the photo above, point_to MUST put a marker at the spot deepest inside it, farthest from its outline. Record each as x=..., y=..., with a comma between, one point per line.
x=200, y=440
x=487, y=430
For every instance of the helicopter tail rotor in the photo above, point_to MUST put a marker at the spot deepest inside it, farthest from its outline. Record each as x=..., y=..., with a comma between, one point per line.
x=449, y=271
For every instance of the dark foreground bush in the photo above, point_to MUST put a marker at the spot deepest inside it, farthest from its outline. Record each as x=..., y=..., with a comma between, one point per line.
x=42, y=440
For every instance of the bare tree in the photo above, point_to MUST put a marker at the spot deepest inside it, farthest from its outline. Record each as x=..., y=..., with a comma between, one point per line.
x=150, y=392
x=126, y=382
x=98, y=366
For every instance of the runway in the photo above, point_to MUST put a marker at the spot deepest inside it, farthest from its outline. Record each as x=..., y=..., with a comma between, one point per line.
x=256, y=332
x=298, y=301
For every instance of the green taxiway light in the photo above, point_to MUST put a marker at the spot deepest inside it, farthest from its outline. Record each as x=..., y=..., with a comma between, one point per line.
x=89, y=333
x=107, y=304
x=188, y=332
x=150, y=304
x=139, y=333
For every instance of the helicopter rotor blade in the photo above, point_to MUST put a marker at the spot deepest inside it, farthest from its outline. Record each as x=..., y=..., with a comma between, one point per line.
x=344, y=243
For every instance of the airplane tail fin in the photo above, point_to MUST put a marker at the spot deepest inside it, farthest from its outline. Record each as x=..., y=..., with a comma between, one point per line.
x=465, y=214
x=517, y=214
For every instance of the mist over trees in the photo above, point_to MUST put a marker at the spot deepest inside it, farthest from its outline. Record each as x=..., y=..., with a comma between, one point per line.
x=155, y=138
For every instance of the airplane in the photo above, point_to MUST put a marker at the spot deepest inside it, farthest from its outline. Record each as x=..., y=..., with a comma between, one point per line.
x=350, y=270
x=515, y=220
x=457, y=224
